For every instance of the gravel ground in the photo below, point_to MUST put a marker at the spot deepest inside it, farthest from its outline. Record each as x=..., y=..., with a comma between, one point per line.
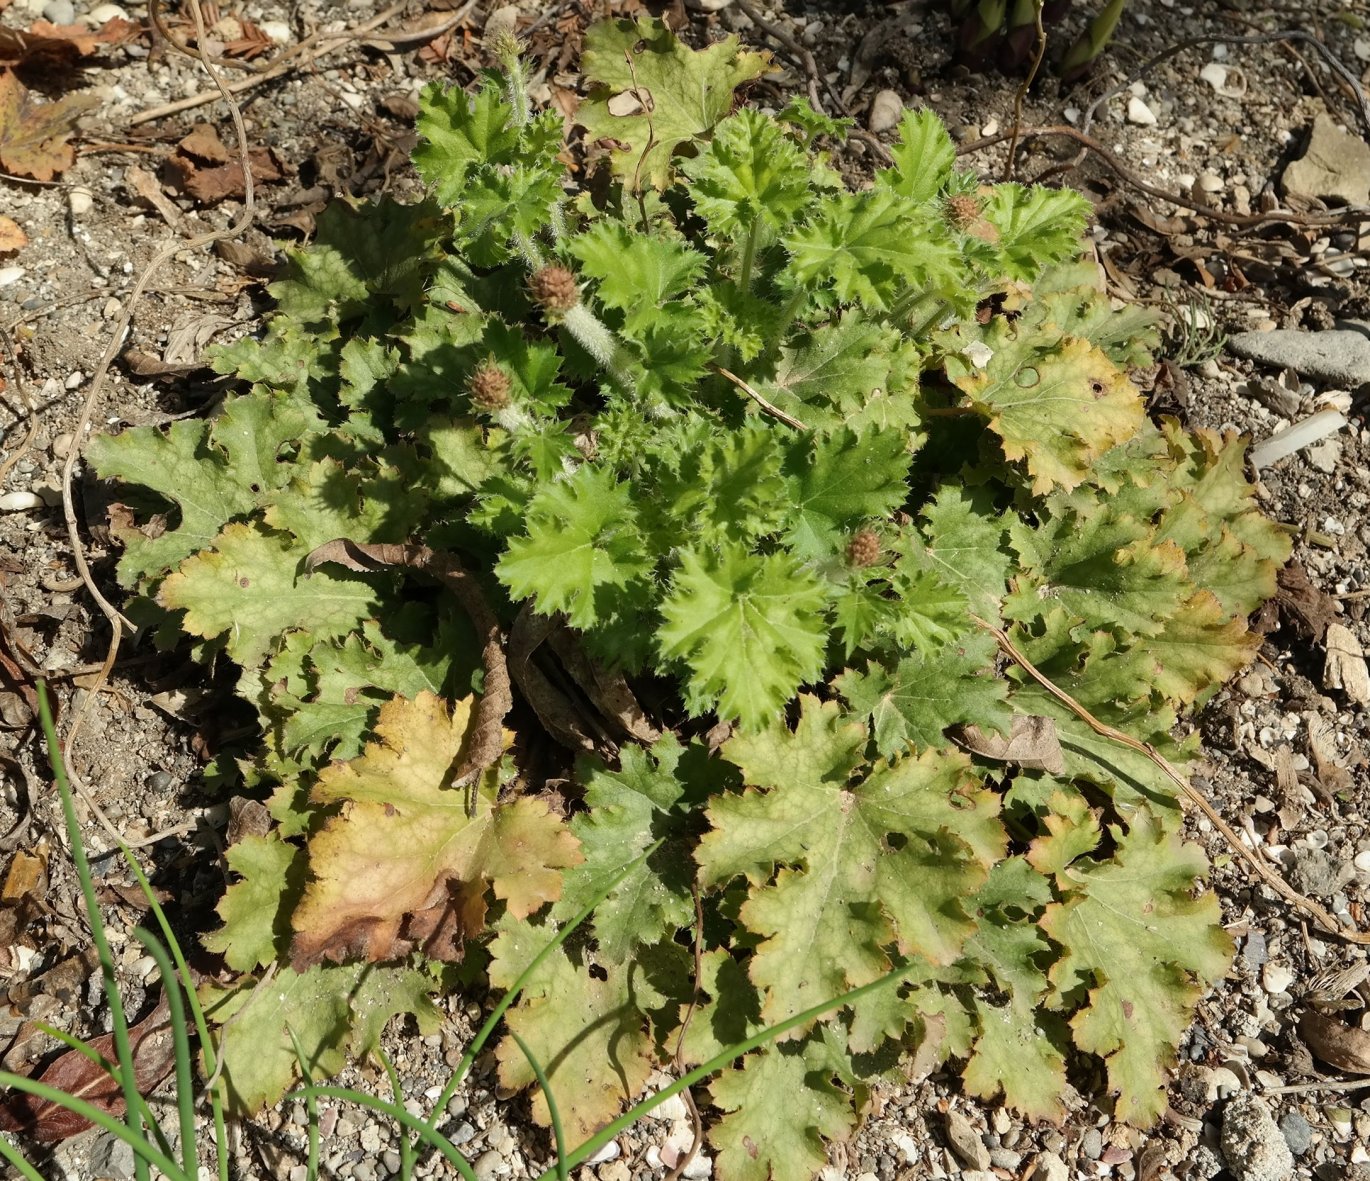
x=1286, y=744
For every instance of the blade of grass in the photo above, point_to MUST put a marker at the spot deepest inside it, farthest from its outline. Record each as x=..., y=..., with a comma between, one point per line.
x=558, y=1136
x=406, y=1145
x=11, y=1154
x=180, y=1040
x=196, y=1010
x=127, y=1079
x=483, y=1035
x=395, y=1111
x=717, y=1062
x=311, y=1105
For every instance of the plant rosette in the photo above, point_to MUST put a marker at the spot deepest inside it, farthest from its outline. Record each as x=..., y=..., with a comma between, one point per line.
x=727, y=460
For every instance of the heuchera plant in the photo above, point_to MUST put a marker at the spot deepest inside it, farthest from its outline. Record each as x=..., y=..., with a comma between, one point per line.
x=721, y=464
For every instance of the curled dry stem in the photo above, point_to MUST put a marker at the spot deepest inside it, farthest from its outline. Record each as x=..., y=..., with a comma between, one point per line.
x=1267, y=875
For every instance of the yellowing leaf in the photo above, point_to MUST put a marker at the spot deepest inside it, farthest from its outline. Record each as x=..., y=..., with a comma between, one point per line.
x=335, y=1012
x=251, y=587
x=1136, y=937
x=1057, y=405
x=587, y=1031
x=402, y=864
x=840, y=872
x=679, y=93
x=33, y=136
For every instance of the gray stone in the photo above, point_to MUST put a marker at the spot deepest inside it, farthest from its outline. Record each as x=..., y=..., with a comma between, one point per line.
x=1253, y=1146
x=60, y=12
x=488, y=1165
x=1339, y=356
x=1335, y=164
x=965, y=1142
x=1316, y=872
x=111, y=1157
x=390, y=1161
x=1005, y=1158
x=1297, y=1132
x=1051, y=1167
x=1092, y=1143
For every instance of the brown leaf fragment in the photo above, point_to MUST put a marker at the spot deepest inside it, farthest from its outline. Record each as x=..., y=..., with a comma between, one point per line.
x=46, y=47
x=1031, y=743
x=211, y=183
x=1335, y=1042
x=26, y=880
x=12, y=236
x=152, y=1047
x=33, y=135
x=1304, y=607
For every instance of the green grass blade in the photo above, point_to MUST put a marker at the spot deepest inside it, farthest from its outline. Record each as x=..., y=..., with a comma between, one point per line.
x=11, y=1154
x=311, y=1105
x=406, y=1145
x=180, y=1039
x=395, y=1111
x=558, y=1136
x=478, y=1042
x=127, y=1079
x=717, y=1062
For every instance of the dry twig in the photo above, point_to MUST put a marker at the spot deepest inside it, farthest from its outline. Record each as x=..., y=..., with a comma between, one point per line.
x=1266, y=874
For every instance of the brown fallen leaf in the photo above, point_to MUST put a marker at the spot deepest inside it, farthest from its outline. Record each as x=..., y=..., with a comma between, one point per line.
x=1031, y=744
x=153, y=1051
x=1335, y=1042
x=12, y=237
x=33, y=135
x=212, y=183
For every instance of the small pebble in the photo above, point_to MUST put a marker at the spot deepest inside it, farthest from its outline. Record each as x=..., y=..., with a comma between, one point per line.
x=390, y=1161
x=1297, y=1132
x=79, y=200
x=10, y=275
x=608, y=1153
x=1092, y=1143
x=59, y=12
x=1139, y=113
x=887, y=108
x=488, y=1165
x=20, y=502
x=276, y=31
x=105, y=13
x=1276, y=977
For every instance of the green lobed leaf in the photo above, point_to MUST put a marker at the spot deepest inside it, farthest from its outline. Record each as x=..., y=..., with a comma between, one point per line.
x=749, y=629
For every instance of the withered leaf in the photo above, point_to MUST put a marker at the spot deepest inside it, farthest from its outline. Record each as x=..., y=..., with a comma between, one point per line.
x=1335, y=1042
x=33, y=135
x=1031, y=743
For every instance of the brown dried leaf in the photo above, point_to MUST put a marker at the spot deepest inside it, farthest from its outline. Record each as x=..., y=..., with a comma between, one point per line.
x=46, y=47
x=1335, y=1042
x=26, y=879
x=12, y=236
x=33, y=135
x=1305, y=608
x=1031, y=743
x=152, y=1047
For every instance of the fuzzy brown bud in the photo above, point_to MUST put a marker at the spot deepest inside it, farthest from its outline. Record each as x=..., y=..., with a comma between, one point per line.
x=963, y=209
x=864, y=548
x=489, y=387
x=554, y=288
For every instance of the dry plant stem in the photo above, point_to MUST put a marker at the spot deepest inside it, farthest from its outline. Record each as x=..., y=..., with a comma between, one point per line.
x=97, y=384
x=310, y=49
x=486, y=743
x=1252, y=858
x=1349, y=217
x=1340, y=1085
x=797, y=51
x=771, y=409
x=30, y=410
x=1021, y=93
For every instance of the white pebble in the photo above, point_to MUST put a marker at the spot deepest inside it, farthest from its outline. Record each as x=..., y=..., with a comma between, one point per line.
x=20, y=502
x=1276, y=978
x=276, y=31
x=609, y=1152
x=1139, y=113
x=10, y=275
x=74, y=379
x=105, y=13
x=1362, y=861
x=79, y=200
x=990, y=128
x=1210, y=182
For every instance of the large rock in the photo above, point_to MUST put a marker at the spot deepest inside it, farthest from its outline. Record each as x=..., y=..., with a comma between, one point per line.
x=1340, y=356
x=1335, y=164
x=1253, y=1145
